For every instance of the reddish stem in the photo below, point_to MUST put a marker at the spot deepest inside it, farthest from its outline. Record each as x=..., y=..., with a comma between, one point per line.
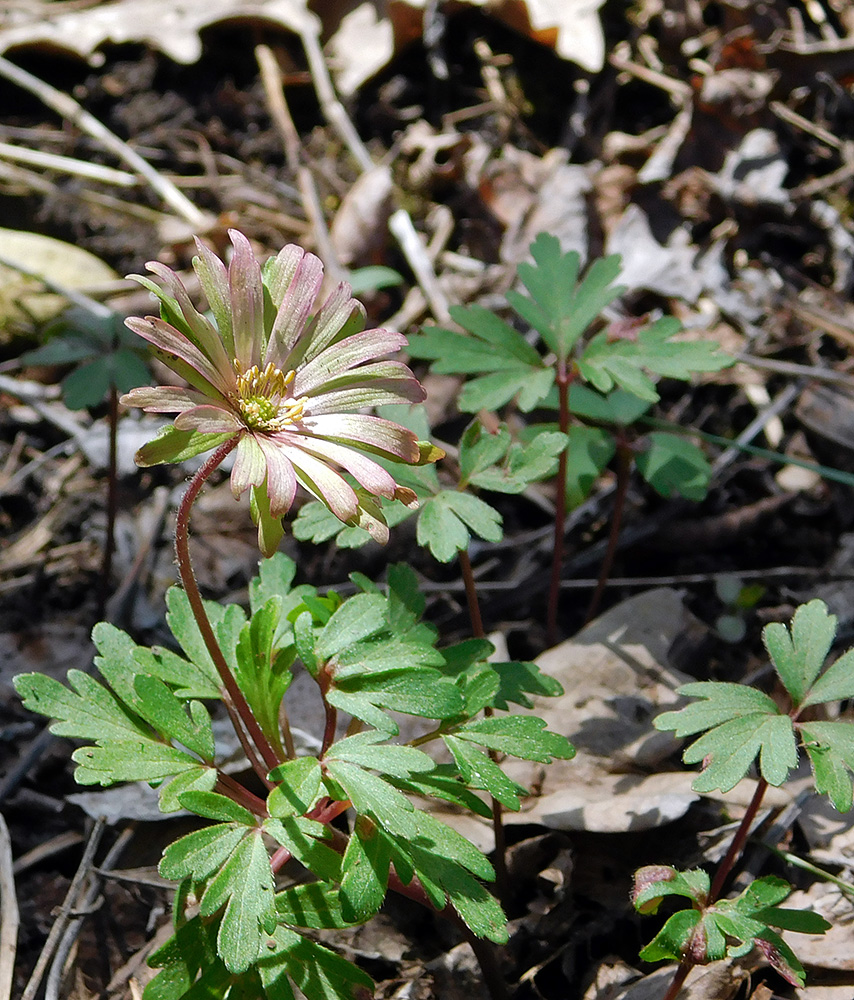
x=624, y=469
x=563, y=380
x=191, y=587
x=738, y=841
x=226, y=785
x=724, y=869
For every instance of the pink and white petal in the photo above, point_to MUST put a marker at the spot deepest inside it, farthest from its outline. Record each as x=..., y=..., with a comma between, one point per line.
x=361, y=428
x=214, y=279
x=164, y=398
x=344, y=355
x=378, y=393
x=250, y=465
x=324, y=483
x=209, y=420
x=281, y=478
x=340, y=316
x=367, y=473
x=247, y=301
x=172, y=342
x=279, y=271
x=204, y=331
x=294, y=311
x=384, y=373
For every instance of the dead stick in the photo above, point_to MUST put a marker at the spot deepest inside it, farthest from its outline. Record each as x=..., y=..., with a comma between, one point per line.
x=9, y=916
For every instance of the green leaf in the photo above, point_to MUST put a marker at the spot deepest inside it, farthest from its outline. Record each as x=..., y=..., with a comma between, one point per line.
x=653, y=883
x=182, y=624
x=312, y=904
x=299, y=783
x=211, y=805
x=559, y=308
x=187, y=678
x=371, y=795
x=489, y=392
x=618, y=407
x=201, y=779
x=729, y=749
x=87, y=710
x=166, y=713
x=130, y=760
x=366, y=870
x=518, y=680
x=835, y=684
x=357, y=618
x=244, y=885
x=421, y=692
x=201, y=853
x=171, y=445
x=590, y=451
x=673, y=466
x=369, y=749
x=830, y=748
x=721, y=702
x=88, y=385
x=479, y=449
x=316, y=971
x=478, y=771
x=478, y=516
x=799, y=655
x=262, y=670
x=440, y=530
x=373, y=278
x=673, y=938
x=520, y=735
x=189, y=951
x=304, y=839
x=607, y=362
x=524, y=464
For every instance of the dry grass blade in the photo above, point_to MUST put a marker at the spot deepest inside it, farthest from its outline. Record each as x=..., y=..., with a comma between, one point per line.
x=9, y=916
x=70, y=903
x=69, y=109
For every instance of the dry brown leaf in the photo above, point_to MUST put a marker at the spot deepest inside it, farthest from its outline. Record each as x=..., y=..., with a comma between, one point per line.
x=172, y=28
x=371, y=31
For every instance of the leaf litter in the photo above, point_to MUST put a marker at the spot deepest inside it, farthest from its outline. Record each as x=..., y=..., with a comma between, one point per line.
x=709, y=149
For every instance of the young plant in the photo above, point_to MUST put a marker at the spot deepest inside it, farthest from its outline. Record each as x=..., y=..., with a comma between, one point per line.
x=281, y=383
x=559, y=309
x=740, y=724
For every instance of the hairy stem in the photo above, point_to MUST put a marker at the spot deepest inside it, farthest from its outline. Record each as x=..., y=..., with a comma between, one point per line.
x=188, y=579
x=501, y=880
x=624, y=469
x=563, y=380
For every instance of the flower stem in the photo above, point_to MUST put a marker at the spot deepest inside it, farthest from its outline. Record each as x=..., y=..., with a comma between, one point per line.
x=188, y=579
x=563, y=380
x=501, y=879
x=624, y=469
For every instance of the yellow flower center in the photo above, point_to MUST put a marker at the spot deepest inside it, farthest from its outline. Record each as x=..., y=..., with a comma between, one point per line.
x=262, y=398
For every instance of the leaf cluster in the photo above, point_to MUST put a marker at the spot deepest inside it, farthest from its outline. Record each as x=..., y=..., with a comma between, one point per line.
x=374, y=659
x=740, y=724
x=707, y=932
x=560, y=309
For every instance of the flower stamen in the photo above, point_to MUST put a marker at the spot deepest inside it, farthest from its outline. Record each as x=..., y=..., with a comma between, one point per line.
x=262, y=400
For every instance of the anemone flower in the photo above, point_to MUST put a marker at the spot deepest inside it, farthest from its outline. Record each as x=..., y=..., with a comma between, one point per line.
x=287, y=380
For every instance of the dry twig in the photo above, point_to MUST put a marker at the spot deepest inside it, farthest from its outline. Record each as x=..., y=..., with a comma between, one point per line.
x=9, y=916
